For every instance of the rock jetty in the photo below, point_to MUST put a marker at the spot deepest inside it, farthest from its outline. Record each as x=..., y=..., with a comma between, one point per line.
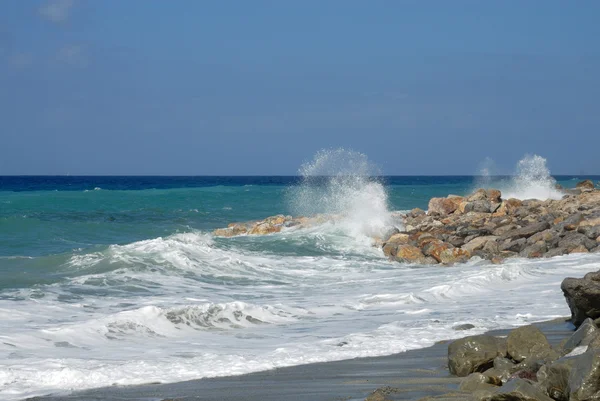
x=523, y=366
x=482, y=224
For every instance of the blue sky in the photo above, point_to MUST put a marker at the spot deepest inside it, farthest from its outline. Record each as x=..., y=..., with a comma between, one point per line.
x=257, y=87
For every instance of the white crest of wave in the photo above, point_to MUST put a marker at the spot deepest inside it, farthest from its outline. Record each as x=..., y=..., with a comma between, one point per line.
x=343, y=183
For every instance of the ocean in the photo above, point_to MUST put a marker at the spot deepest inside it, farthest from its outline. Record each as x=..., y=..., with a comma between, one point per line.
x=119, y=280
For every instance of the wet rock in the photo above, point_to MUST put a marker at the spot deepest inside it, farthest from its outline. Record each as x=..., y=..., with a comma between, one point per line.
x=390, y=247
x=528, y=342
x=517, y=390
x=466, y=326
x=231, y=231
x=584, y=335
x=476, y=382
x=388, y=232
x=553, y=378
x=381, y=394
x=410, y=254
x=474, y=354
x=583, y=298
x=454, y=255
x=584, y=379
x=434, y=248
x=265, y=228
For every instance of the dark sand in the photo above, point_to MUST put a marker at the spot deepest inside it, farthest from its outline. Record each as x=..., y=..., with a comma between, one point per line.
x=412, y=375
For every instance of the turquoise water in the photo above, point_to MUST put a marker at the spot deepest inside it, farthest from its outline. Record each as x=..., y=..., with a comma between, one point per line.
x=118, y=279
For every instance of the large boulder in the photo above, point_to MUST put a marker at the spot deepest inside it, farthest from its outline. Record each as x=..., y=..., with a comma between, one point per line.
x=583, y=298
x=390, y=247
x=584, y=379
x=585, y=185
x=553, y=378
x=442, y=206
x=528, y=342
x=527, y=231
x=410, y=254
x=573, y=240
x=474, y=354
x=585, y=334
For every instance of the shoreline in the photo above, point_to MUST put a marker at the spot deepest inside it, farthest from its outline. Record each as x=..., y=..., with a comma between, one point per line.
x=410, y=375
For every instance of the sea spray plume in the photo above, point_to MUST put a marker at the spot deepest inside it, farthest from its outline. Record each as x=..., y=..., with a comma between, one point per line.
x=343, y=183
x=486, y=171
x=532, y=181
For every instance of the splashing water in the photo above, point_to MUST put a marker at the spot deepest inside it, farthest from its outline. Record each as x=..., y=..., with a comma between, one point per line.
x=485, y=173
x=342, y=183
x=532, y=181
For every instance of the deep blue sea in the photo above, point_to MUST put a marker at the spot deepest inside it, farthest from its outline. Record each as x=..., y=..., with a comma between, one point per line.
x=108, y=280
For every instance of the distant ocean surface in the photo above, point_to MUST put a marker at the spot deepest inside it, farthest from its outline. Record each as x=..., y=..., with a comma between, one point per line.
x=108, y=280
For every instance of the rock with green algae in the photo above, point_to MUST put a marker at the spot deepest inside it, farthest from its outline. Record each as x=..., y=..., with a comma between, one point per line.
x=474, y=354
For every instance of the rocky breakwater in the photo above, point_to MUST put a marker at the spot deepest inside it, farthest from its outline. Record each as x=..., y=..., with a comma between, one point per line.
x=270, y=225
x=483, y=224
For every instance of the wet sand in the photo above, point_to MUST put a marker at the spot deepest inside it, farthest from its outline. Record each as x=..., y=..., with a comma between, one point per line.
x=412, y=375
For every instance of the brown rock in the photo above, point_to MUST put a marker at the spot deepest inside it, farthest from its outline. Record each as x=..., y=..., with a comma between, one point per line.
x=409, y=254
x=265, y=228
x=579, y=249
x=480, y=194
x=400, y=238
x=509, y=206
x=494, y=195
x=529, y=342
x=435, y=248
x=590, y=222
x=416, y=212
x=585, y=185
x=441, y=206
x=474, y=354
x=231, y=231
x=454, y=255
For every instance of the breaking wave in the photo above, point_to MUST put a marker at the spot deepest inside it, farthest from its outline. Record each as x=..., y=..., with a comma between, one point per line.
x=343, y=183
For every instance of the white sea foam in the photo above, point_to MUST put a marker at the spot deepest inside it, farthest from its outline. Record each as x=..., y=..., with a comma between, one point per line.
x=190, y=306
